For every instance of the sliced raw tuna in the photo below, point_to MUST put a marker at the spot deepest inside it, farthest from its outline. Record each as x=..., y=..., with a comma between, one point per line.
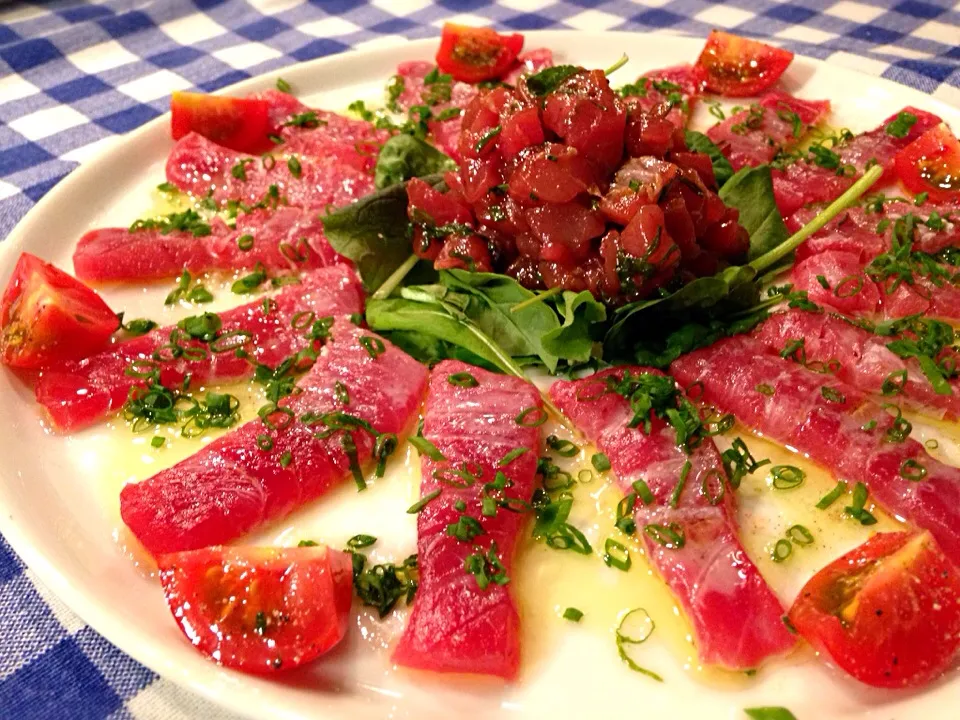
x=735, y=616
x=261, y=472
x=851, y=289
x=803, y=182
x=285, y=240
x=659, y=85
x=848, y=289
x=339, y=175
x=456, y=625
x=861, y=358
x=856, y=230
x=879, y=146
x=777, y=122
x=842, y=430
x=446, y=132
x=83, y=392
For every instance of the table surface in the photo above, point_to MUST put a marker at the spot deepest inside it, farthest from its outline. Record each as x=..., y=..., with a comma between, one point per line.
x=74, y=74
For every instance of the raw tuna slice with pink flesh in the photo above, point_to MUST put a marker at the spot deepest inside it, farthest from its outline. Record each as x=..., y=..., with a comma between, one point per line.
x=80, y=393
x=434, y=96
x=269, y=467
x=869, y=233
x=658, y=87
x=859, y=357
x=456, y=625
x=777, y=122
x=202, y=168
x=803, y=183
x=840, y=428
x=735, y=616
x=840, y=280
x=285, y=240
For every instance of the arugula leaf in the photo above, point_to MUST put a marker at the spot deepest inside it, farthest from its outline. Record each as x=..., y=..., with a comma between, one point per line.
x=519, y=333
x=573, y=341
x=372, y=232
x=404, y=156
x=430, y=350
x=750, y=190
x=549, y=79
x=435, y=311
x=722, y=169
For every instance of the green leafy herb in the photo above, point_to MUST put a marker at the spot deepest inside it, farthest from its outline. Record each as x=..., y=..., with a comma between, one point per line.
x=901, y=124
x=404, y=156
x=722, y=169
x=372, y=232
x=572, y=614
x=549, y=79
x=381, y=586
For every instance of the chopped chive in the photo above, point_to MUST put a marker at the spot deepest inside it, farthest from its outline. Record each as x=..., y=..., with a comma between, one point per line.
x=462, y=379
x=800, y=535
x=425, y=447
x=678, y=489
x=571, y=613
x=373, y=345
x=157, y=441
x=616, y=555
x=361, y=541
x=531, y=417
x=424, y=501
x=832, y=496
x=781, y=551
x=643, y=492
x=600, y=462
x=786, y=477
x=512, y=455
x=563, y=448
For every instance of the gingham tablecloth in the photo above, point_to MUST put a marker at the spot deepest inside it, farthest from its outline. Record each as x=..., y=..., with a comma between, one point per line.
x=73, y=74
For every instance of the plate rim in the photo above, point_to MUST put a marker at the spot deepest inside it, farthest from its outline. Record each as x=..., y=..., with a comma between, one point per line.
x=88, y=609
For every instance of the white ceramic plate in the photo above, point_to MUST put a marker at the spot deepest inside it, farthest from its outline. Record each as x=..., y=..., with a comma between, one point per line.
x=59, y=495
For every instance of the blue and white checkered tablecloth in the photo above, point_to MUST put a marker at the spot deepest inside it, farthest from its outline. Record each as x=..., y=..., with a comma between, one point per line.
x=73, y=74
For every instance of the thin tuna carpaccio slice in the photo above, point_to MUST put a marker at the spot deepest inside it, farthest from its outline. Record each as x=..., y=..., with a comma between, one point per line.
x=802, y=182
x=777, y=122
x=840, y=280
x=80, y=393
x=869, y=234
x=261, y=472
x=860, y=357
x=336, y=176
x=284, y=240
x=456, y=626
x=735, y=616
x=842, y=430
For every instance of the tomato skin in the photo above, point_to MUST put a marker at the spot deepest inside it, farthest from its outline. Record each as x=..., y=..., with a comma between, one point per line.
x=887, y=612
x=739, y=67
x=475, y=54
x=931, y=164
x=241, y=124
x=48, y=316
x=259, y=609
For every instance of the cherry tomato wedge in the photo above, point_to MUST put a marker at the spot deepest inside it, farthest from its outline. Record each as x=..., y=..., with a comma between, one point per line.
x=241, y=124
x=259, y=609
x=47, y=317
x=887, y=612
x=475, y=54
x=739, y=67
x=931, y=164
